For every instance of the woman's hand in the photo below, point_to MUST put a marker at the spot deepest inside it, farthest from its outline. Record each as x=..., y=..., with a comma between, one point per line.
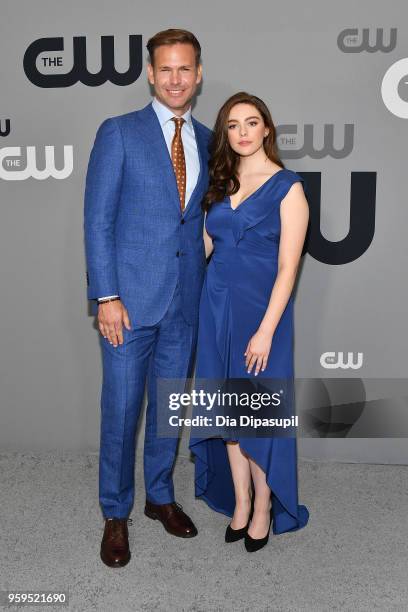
x=257, y=351
x=208, y=243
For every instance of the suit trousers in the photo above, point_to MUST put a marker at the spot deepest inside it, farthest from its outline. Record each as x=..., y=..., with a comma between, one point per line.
x=163, y=350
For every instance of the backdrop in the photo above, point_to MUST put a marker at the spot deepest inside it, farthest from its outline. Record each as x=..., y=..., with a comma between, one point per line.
x=335, y=76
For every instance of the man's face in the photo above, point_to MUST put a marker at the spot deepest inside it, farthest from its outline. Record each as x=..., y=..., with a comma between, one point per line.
x=175, y=76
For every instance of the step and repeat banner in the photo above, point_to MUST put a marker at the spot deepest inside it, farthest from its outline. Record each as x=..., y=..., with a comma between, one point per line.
x=335, y=78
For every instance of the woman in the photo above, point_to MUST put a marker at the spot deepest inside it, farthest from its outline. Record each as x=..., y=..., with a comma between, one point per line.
x=256, y=222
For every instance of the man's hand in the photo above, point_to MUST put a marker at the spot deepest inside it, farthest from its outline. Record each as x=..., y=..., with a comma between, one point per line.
x=111, y=317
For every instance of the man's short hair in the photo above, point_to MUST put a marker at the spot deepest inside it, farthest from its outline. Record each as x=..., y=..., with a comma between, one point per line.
x=172, y=37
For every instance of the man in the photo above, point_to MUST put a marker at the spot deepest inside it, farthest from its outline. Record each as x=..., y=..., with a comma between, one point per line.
x=145, y=259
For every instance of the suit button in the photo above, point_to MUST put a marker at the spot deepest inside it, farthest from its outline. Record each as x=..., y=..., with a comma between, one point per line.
x=182, y=222
x=178, y=253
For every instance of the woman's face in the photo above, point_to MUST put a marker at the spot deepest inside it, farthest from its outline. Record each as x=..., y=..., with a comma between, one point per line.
x=246, y=129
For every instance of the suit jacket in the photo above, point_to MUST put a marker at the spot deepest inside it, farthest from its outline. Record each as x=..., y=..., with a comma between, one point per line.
x=137, y=243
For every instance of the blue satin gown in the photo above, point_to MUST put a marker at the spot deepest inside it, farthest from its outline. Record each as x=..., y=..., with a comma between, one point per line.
x=235, y=296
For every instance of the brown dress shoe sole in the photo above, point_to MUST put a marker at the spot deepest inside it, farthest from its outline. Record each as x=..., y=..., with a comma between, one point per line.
x=156, y=517
x=121, y=563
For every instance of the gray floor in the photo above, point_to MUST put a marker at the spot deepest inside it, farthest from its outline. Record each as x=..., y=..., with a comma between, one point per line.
x=351, y=556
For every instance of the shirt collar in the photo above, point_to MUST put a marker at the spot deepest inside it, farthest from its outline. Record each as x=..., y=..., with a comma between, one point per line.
x=164, y=114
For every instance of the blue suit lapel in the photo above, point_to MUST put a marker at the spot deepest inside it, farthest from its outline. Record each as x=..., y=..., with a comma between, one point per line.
x=203, y=157
x=151, y=132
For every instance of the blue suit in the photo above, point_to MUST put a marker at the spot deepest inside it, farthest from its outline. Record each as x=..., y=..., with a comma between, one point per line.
x=140, y=246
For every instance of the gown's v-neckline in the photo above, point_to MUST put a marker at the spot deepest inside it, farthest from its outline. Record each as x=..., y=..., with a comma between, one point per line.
x=254, y=192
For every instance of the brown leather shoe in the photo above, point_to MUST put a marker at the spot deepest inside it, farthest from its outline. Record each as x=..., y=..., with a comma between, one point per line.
x=173, y=519
x=115, y=542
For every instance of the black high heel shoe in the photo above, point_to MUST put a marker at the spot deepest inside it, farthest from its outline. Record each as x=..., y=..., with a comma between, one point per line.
x=254, y=544
x=233, y=535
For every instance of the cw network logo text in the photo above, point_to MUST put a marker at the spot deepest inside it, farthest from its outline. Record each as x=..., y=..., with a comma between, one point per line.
x=357, y=40
x=333, y=360
x=18, y=166
x=48, y=49
x=290, y=149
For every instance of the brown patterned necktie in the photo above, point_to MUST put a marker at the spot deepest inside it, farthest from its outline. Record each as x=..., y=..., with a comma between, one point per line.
x=178, y=159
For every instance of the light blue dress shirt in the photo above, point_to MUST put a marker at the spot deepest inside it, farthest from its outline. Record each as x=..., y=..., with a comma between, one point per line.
x=168, y=127
x=191, y=156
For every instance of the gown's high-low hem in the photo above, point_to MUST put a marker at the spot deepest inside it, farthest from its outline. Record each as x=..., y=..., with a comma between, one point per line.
x=235, y=296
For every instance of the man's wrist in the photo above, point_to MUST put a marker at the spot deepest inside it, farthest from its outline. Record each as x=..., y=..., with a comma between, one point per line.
x=109, y=298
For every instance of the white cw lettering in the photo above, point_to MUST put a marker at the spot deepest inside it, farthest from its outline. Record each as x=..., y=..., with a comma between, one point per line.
x=31, y=169
x=333, y=360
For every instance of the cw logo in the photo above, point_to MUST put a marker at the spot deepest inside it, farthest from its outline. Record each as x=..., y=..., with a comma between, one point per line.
x=362, y=220
x=394, y=88
x=6, y=131
x=348, y=41
x=79, y=71
x=332, y=360
x=308, y=148
x=31, y=169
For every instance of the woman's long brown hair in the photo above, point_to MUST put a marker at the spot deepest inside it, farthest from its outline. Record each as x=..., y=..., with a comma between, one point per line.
x=223, y=164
